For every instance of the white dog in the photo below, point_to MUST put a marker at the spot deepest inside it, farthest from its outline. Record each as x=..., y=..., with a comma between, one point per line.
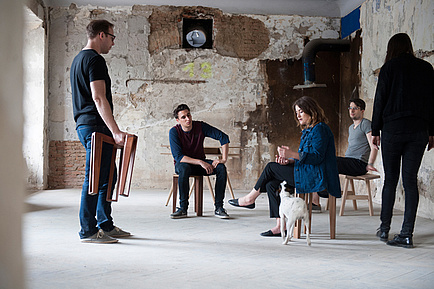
x=292, y=209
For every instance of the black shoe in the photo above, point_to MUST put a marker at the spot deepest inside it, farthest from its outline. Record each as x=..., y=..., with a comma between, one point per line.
x=384, y=236
x=323, y=194
x=316, y=208
x=234, y=202
x=221, y=213
x=270, y=234
x=398, y=241
x=180, y=213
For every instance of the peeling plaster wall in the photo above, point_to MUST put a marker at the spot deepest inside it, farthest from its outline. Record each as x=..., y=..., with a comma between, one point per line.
x=380, y=20
x=227, y=92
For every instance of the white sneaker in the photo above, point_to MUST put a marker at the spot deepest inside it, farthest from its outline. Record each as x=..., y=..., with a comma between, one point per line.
x=118, y=233
x=99, y=237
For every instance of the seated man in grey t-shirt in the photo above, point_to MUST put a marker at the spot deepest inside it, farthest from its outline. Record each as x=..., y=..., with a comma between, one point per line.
x=361, y=152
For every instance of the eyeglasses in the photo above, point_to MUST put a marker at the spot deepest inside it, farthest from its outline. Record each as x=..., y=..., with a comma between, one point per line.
x=114, y=37
x=353, y=107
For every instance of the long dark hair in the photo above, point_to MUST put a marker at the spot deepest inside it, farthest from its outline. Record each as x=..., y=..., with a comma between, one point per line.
x=309, y=106
x=399, y=43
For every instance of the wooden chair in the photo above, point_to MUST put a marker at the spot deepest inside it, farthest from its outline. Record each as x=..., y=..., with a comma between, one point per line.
x=332, y=213
x=126, y=163
x=351, y=194
x=208, y=151
x=198, y=193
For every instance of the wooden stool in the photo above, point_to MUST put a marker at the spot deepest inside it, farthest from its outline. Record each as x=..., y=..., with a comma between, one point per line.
x=332, y=213
x=126, y=163
x=198, y=193
x=351, y=195
x=208, y=182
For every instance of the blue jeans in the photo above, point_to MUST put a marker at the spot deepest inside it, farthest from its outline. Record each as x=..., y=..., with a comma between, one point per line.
x=409, y=148
x=95, y=211
x=185, y=170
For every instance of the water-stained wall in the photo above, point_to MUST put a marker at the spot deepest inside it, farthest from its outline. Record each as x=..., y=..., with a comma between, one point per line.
x=225, y=86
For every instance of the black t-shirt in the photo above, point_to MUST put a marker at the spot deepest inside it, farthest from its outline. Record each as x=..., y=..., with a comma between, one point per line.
x=86, y=67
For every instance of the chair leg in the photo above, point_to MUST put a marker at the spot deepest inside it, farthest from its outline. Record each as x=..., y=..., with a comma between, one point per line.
x=127, y=166
x=332, y=213
x=174, y=192
x=191, y=188
x=208, y=182
x=109, y=196
x=344, y=197
x=170, y=194
x=368, y=188
x=354, y=193
x=230, y=187
x=198, y=190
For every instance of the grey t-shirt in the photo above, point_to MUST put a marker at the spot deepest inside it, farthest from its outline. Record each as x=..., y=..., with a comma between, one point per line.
x=358, y=145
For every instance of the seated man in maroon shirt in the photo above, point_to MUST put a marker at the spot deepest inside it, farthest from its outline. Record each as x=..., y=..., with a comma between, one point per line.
x=186, y=143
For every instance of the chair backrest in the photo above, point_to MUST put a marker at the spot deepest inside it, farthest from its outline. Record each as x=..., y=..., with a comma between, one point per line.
x=212, y=151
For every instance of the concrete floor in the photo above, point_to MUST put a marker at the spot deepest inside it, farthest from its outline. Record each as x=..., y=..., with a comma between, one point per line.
x=207, y=252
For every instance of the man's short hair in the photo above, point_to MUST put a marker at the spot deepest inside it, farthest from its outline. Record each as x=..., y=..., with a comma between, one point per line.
x=179, y=108
x=359, y=102
x=97, y=26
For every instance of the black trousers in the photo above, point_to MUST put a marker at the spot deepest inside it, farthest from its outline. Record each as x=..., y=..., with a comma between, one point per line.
x=408, y=148
x=269, y=181
x=351, y=166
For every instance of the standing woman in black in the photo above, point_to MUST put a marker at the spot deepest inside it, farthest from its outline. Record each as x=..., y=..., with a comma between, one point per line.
x=404, y=113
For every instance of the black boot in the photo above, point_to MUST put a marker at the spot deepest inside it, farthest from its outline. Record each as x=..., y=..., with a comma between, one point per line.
x=398, y=241
x=384, y=236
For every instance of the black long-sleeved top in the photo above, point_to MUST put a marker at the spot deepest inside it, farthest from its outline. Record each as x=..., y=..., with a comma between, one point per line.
x=404, y=99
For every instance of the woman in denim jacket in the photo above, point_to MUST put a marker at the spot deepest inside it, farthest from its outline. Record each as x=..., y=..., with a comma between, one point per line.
x=312, y=169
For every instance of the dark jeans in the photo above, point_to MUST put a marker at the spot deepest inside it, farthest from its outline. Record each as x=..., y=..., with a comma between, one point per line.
x=96, y=205
x=351, y=166
x=269, y=181
x=408, y=148
x=185, y=170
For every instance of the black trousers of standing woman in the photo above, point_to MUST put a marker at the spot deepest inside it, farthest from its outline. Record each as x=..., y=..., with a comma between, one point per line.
x=270, y=180
x=409, y=148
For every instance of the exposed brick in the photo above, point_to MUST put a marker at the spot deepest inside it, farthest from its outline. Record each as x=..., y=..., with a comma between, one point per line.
x=66, y=164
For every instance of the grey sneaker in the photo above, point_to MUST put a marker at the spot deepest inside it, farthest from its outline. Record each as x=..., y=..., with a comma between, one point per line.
x=117, y=233
x=99, y=237
x=180, y=213
x=221, y=213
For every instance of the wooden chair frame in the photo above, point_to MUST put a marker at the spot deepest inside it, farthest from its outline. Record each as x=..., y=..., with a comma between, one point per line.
x=332, y=213
x=126, y=164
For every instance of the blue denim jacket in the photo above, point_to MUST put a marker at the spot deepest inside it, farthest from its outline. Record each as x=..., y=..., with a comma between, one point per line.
x=317, y=169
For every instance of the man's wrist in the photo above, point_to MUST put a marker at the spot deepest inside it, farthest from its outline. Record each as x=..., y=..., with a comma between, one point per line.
x=370, y=164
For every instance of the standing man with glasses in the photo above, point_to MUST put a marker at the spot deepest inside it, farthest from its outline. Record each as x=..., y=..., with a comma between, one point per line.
x=93, y=112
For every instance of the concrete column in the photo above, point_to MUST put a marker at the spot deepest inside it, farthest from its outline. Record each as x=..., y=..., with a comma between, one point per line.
x=11, y=132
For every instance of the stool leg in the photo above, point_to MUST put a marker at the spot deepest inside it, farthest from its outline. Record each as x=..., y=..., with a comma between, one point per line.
x=344, y=197
x=191, y=188
x=208, y=181
x=297, y=225
x=332, y=213
x=230, y=187
x=354, y=192
x=199, y=196
x=174, y=192
x=170, y=194
x=368, y=188
x=109, y=197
